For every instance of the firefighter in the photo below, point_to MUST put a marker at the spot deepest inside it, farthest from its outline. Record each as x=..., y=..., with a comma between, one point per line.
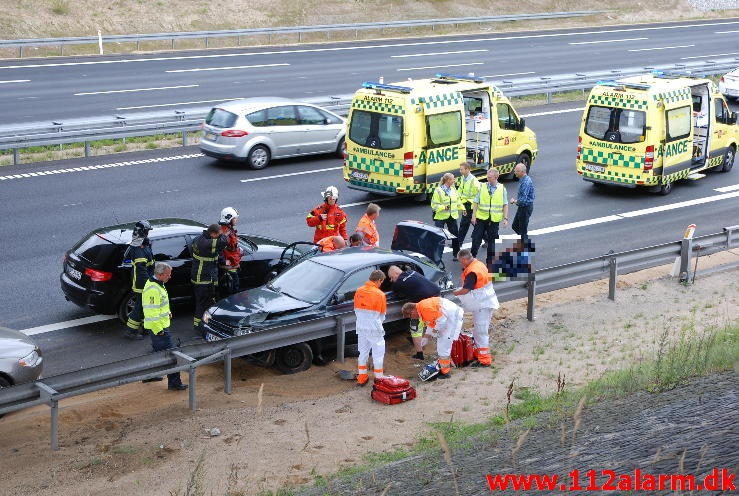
x=478, y=297
x=328, y=218
x=232, y=252
x=367, y=228
x=443, y=321
x=142, y=261
x=207, y=249
x=331, y=243
x=370, y=306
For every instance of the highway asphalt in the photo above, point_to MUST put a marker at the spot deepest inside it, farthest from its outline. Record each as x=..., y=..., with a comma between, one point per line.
x=45, y=214
x=70, y=87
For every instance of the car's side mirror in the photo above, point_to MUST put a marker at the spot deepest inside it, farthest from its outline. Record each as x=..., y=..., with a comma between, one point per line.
x=337, y=299
x=522, y=124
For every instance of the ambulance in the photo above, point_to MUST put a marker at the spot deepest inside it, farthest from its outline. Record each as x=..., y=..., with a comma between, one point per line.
x=401, y=138
x=653, y=130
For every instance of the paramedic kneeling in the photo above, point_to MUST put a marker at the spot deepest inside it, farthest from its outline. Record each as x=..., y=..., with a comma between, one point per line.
x=443, y=321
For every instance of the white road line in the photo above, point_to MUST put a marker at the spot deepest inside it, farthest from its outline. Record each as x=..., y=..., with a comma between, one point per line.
x=101, y=166
x=16, y=81
x=368, y=47
x=201, y=69
x=377, y=200
x=290, y=175
x=64, y=325
x=727, y=32
x=726, y=189
x=552, y=112
x=511, y=74
x=672, y=206
x=439, y=66
x=575, y=225
x=659, y=48
x=137, y=89
x=180, y=103
x=605, y=41
x=712, y=55
x=434, y=53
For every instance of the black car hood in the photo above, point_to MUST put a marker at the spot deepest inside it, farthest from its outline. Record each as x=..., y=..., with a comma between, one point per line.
x=254, y=306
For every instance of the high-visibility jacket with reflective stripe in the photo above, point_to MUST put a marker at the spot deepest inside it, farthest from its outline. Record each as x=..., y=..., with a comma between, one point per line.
x=367, y=228
x=334, y=225
x=480, y=270
x=370, y=305
x=445, y=205
x=142, y=264
x=483, y=295
x=491, y=206
x=155, y=302
x=205, y=254
x=468, y=189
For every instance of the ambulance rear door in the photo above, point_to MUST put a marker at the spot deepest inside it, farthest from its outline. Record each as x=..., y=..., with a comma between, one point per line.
x=677, y=148
x=445, y=146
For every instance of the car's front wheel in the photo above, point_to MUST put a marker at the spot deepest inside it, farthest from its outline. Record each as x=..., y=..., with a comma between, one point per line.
x=293, y=359
x=729, y=158
x=125, y=307
x=258, y=157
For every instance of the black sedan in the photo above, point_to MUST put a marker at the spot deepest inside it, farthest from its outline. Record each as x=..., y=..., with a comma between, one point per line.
x=94, y=274
x=318, y=286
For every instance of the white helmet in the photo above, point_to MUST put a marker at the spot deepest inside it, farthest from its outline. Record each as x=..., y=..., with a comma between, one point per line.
x=227, y=214
x=332, y=192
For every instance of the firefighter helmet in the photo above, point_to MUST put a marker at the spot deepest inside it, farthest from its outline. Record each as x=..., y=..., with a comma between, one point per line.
x=331, y=191
x=228, y=214
x=141, y=229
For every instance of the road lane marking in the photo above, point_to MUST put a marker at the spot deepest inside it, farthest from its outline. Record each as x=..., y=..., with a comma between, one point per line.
x=137, y=89
x=511, y=74
x=726, y=189
x=377, y=200
x=552, y=112
x=290, y=174
x=605, y=41
x=180, y=103
x=367, y=47
x=659, y=48
x=673, y=206
x=727, y=32
x=16, y=81
x=32, y=331
x=201, y=69
x=712, y=55
x=439, y=66
x=435, y=53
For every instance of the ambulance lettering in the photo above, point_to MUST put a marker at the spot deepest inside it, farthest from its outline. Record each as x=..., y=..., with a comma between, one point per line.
x=675, y=148
x=439, y=155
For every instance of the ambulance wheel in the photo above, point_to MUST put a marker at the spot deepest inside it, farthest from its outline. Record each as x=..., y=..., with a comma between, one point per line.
x=258, y=157
x=665, y=189
x=293, y=359
x=729, y=158
x=341, y=148
x=125, y=307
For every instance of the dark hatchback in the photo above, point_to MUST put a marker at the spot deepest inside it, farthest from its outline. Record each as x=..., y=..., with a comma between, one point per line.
x=94, y=274
x=323, y=285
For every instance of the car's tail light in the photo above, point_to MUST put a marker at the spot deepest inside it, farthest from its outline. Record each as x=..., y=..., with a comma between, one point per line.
x=649, y=158
x=98, y=275
x=408, y=164
x=234, y=133
x=722, y=79
x=579, y=147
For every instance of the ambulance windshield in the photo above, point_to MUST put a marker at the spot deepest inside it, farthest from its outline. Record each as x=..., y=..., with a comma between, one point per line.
x=375, y=130
x=616, y=125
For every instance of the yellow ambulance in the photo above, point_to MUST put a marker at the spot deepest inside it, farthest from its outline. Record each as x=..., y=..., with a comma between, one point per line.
x=401, y=138
x=655, y=129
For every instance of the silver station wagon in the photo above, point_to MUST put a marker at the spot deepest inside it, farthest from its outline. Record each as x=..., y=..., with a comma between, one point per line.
x=259, y=129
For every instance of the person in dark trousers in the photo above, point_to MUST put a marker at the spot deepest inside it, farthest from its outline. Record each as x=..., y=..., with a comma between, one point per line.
x=489, y=210
x=468, y=188
x=157, y=317
x=207, y=250
x=413, y=286
x=141, y=258
x=524, y=201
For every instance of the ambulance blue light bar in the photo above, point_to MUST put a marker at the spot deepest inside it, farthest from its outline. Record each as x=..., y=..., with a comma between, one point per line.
x=388, y=87
x=622, y=85
x=675, y=74
x=444, y=75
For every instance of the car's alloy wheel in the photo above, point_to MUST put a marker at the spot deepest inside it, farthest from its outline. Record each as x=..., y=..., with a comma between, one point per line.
x=258, y=157
x=125, y=308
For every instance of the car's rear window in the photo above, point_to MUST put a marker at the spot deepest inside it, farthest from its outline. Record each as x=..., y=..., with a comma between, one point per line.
x=221, y=118
x=375, y=130
x=97, y=251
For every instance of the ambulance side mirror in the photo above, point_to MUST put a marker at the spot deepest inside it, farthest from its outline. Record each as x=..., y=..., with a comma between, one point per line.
x=521, y=125
x=732, y=118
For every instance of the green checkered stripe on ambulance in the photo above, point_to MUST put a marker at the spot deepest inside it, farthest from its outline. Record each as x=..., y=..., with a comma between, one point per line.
x=673, y=96
x=374, y=165
x=614, y=159
x=384, y=108
x=436, y=101
x=609, y=101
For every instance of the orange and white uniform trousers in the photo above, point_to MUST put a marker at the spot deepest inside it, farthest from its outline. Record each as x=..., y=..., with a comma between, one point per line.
x=370, y=338
x=481, y=303
x=444, y=321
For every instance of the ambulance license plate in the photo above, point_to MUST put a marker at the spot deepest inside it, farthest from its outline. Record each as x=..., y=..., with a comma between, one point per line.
x=73, y=273
x=359, y=175
x=594, y=168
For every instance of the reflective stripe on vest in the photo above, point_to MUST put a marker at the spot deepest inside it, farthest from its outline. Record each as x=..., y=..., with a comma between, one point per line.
x=490, y=206
x=162, y=314
x=480, y=270
x=441, y=199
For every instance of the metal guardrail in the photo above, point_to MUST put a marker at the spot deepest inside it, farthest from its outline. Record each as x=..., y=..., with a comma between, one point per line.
x=299, y=30
x=50, y=390
x=187, y=119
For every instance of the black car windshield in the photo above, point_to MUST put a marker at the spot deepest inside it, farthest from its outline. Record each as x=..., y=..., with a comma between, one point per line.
x=307, y=281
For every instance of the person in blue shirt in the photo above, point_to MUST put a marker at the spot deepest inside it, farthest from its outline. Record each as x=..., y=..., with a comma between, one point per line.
x=524, y=202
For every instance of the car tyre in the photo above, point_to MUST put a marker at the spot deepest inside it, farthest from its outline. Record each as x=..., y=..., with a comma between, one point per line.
x=125, y=307
x=341, y=148
x=293, y=359
x=259, y=157
x=665, y=189
x=729, y=158
x=4, y=382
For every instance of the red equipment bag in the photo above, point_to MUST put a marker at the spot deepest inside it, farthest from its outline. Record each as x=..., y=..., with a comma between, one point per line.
x=463, y=350
x=392, y=390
